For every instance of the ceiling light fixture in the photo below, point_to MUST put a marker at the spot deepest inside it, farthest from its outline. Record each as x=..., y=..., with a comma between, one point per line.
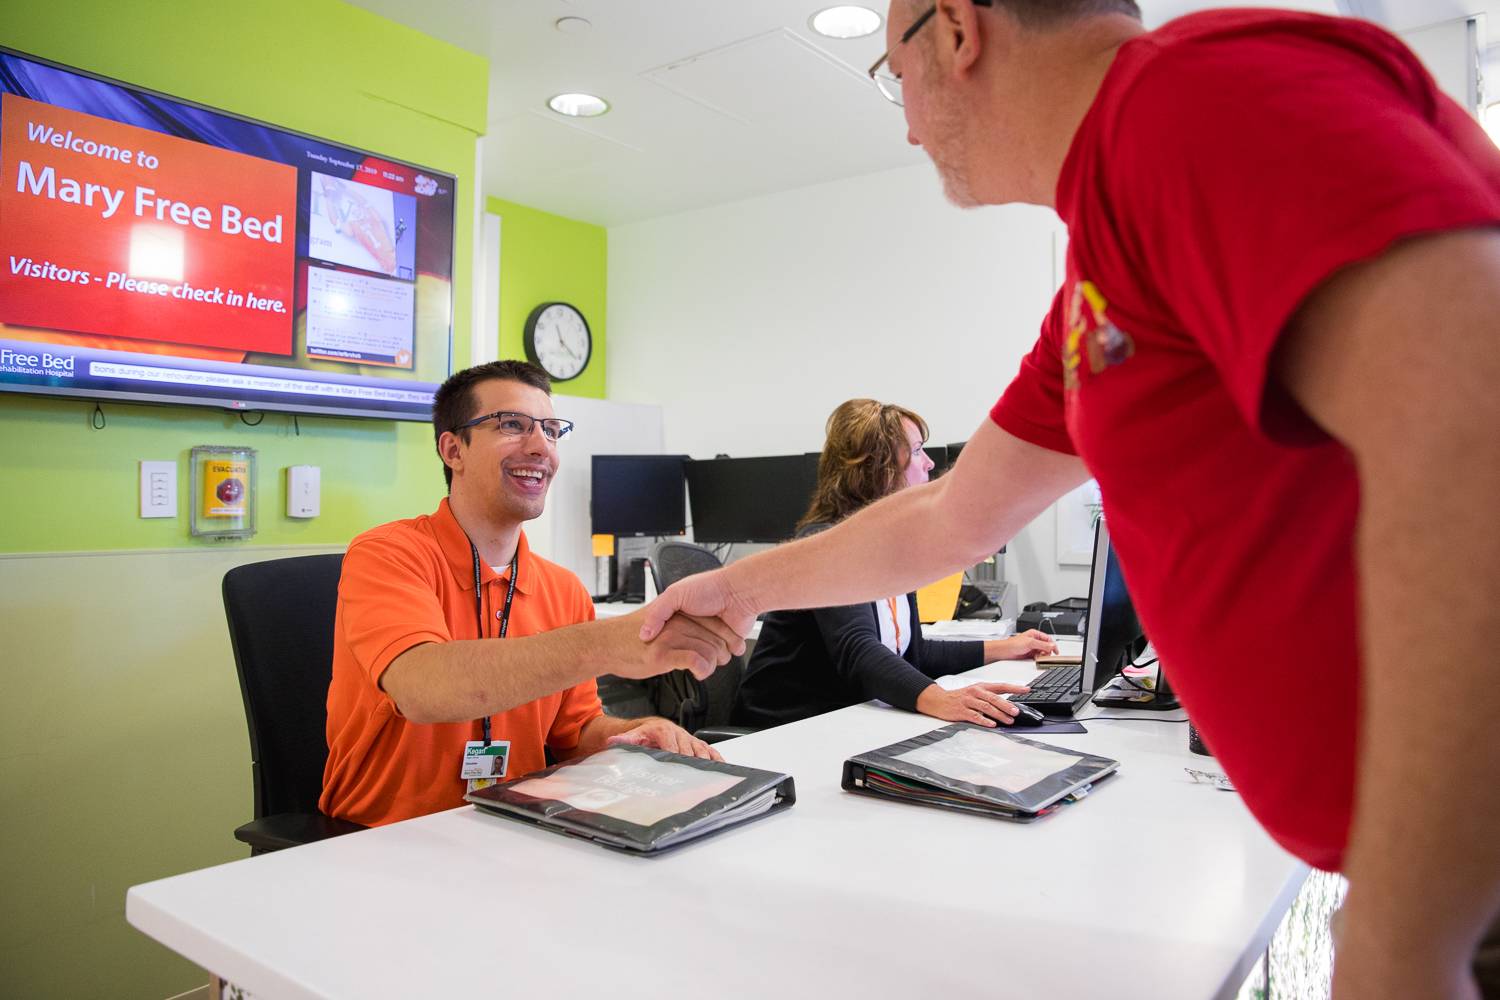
x=845, y=21
x=578, y=105
x=573, y=25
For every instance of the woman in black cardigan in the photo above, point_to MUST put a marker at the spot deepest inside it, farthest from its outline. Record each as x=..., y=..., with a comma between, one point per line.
x=810, y=662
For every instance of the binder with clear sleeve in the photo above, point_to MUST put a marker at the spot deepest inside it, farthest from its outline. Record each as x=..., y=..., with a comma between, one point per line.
x=976, y=769
x=637, y=799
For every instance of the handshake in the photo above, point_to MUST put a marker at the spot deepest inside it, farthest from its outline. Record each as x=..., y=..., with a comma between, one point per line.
x=696, y=625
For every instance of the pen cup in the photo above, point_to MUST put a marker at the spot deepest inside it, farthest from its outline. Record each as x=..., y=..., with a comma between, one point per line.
x=1195, y=742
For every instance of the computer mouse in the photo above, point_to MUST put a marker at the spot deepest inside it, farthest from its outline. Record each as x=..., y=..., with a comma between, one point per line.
x=1027, y=716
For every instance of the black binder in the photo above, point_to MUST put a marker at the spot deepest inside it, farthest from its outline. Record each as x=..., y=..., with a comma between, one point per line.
x=639, y=800
x=977, y=769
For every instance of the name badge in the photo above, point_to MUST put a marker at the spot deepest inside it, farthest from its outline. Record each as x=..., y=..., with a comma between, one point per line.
x=482, y=761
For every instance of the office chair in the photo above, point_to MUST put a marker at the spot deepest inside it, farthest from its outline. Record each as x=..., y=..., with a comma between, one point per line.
x=280, y=616
x=702, y=708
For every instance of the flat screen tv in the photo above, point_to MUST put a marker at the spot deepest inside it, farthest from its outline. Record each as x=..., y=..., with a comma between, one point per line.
x=155, y=250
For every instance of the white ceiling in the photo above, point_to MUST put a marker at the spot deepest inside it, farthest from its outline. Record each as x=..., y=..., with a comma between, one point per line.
x=712, y=100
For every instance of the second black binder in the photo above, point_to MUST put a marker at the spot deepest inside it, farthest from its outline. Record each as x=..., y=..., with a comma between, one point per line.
x=975, y=769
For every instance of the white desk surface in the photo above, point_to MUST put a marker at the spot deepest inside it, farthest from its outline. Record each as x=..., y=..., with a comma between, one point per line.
x=1153, y=887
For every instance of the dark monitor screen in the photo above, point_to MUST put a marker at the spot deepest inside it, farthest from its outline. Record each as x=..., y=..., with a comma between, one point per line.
x=953, y=450
x=1113, y=636
x=750, y=499
x=941, y=460
x=638, y=495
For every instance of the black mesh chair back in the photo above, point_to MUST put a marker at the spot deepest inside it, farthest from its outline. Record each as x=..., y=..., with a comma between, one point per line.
x=701, y=707
x=672, y=561
x=280, y=616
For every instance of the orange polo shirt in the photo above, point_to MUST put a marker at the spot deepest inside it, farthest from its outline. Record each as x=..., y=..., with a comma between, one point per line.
x=410, y=582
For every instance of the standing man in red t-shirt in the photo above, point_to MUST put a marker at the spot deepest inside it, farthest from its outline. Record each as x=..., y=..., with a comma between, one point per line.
x=1275, y=349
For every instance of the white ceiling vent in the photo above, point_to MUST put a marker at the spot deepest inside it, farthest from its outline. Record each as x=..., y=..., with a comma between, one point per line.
x=766, y=78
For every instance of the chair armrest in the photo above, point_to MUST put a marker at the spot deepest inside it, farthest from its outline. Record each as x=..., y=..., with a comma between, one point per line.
x=718, y=734
x=273, y=833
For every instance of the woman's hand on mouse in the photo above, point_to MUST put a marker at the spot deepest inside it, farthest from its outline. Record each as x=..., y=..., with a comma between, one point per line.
x=981, y=704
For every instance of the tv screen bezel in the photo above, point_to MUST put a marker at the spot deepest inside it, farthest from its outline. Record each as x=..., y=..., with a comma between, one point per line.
x=229, y=402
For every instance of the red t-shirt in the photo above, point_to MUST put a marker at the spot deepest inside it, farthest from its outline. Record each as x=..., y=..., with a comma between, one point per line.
x=1232, y=162
x=411, y=582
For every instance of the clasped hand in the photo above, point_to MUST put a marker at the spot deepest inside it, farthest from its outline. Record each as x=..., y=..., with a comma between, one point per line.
x=685, y=642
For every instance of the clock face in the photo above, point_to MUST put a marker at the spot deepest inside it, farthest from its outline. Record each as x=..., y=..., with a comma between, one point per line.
x=558, y=339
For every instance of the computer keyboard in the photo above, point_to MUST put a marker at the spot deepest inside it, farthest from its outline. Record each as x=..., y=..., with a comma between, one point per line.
x=1056, y=684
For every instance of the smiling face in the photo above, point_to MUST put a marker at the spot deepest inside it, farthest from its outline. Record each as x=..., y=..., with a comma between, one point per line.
x=505, y=475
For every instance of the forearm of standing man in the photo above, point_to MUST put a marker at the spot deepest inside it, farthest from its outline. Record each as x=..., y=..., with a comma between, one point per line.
x=1397, y=359
x=907, y=540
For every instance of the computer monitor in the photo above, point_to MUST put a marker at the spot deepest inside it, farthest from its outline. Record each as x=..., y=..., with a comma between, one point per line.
x=750, y=499
x=638, y=495
x=1113, y=637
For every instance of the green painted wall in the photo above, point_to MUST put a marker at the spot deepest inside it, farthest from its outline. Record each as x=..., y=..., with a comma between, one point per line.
x=128, y=650
x=547, y=258
x=318, y=66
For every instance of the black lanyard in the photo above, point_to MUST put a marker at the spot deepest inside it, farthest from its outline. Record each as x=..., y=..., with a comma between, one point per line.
x=510, y=594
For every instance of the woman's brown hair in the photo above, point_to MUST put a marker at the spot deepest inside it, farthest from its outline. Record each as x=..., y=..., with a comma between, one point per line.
x=864, y=458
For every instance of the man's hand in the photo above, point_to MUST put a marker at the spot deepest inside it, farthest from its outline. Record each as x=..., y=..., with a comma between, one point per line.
x=663, y=735
x=702, y=595
x=1023, y=646
x=978, y=703
x=684, y=643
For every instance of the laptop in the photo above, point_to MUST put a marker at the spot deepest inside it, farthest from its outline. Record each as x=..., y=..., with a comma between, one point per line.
x=1068, y=682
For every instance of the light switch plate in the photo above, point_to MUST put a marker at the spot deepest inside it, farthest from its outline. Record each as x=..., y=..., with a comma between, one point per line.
x=158, y=489
x=303, y=485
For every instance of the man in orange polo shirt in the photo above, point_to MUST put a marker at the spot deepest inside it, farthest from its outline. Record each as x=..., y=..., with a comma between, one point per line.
x=424, y=694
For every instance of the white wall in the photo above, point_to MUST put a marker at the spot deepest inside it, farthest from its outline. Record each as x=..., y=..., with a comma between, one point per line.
x=603, y=427
x=749, y=322
x=1452, y=52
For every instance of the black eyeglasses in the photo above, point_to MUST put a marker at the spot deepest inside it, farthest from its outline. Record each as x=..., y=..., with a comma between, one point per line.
x=888, y=83
x=513, y=424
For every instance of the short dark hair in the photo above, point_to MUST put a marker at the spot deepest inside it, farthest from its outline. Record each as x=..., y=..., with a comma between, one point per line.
x=1047, y=13
x=1051, y=13
x=453, y=403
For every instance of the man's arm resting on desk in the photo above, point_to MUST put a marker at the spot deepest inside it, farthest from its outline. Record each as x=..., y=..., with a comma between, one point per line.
x=1397, y=359
x=469, y=678
x=909, y=539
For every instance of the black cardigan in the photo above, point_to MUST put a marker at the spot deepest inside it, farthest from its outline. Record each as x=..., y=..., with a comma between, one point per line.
x=806, y=663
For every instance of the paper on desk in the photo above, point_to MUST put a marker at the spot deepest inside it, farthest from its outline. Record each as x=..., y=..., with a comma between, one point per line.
x=970, y=629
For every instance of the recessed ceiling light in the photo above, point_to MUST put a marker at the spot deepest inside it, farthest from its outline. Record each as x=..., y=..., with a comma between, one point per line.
x=578, y=105
x=846, y=21
x=572, y=25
